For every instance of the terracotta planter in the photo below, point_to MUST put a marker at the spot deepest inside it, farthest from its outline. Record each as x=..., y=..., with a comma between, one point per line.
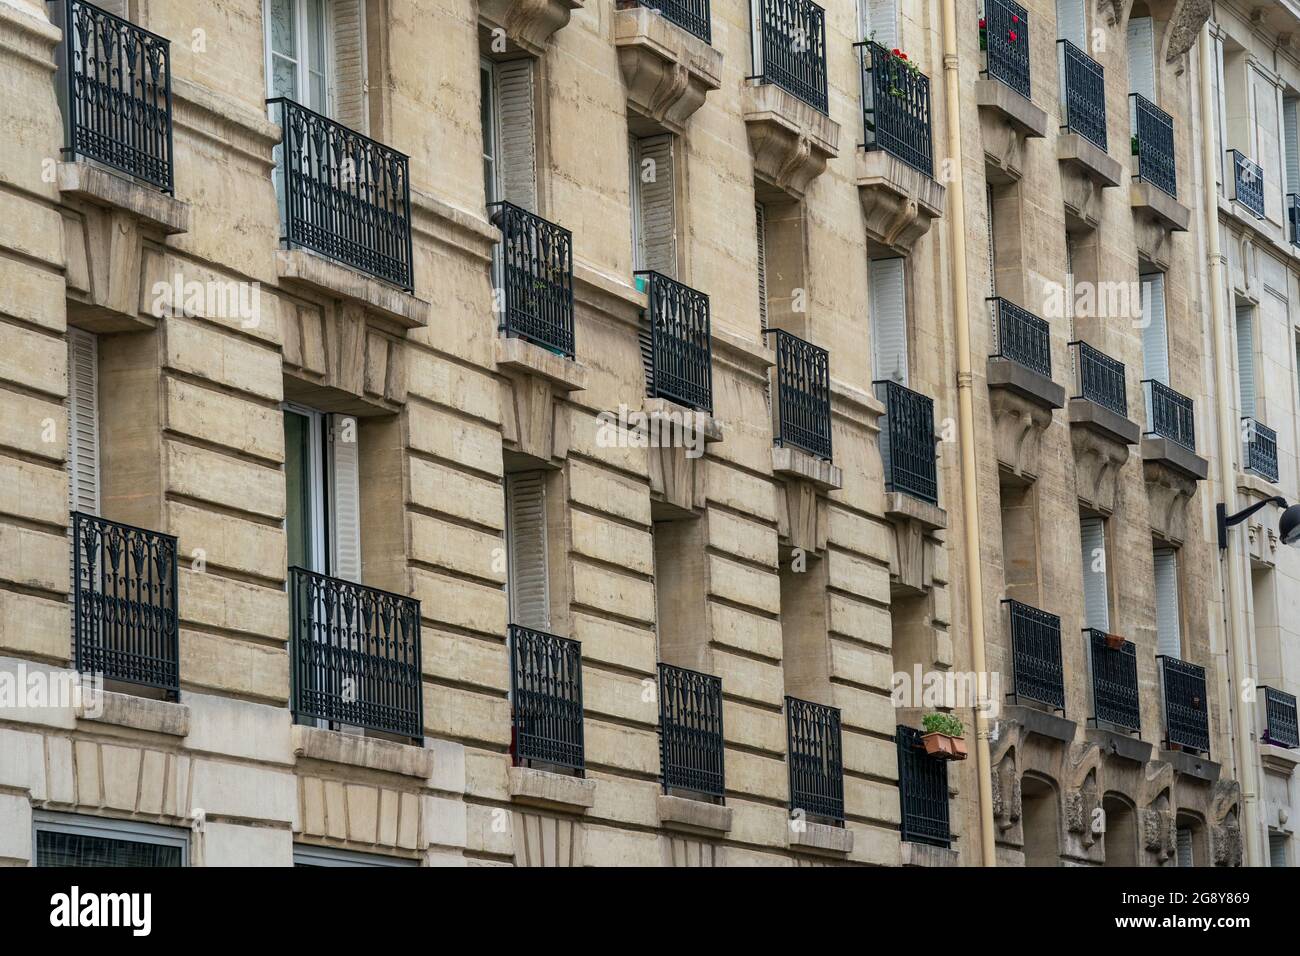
x=944, y=747
x=1114, y=642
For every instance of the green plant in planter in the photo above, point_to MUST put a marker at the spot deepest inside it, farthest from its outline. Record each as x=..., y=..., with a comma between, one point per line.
x=1133, y=144
x=945, y=724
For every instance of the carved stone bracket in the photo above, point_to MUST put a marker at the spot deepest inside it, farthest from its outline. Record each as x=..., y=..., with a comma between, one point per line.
x=1169, y=491
x=912, y=559
x=791, y=141
x=1007, y=120
x=801, y=507
x=899, y=203
x=668, y=72
x=334, y=346
x=677, y=468
x=1098, y=460
x=1018, y=426
x=1184, y=27
x=1225, y=827
x=528, y=23
x=534, y=416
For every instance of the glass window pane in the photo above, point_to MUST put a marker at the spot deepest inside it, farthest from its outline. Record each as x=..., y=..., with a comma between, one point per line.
x=283, y=40
x=297, y=480
x=54, y=848
x=284, y=77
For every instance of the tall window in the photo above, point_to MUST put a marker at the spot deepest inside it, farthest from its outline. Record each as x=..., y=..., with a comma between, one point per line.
x=1071, y=23
x=1155, y=330
x=83, y=421
x=879, y=17
x=654, y=216
x=1096, y=588
x=888, y=302
x=1142, y=57
x=1169, y=636
x=1277, y=849
x=316, y=56
x=528, y=577
x=322, y=492
x=1246, y=359
x=509, y=132
x=760, y=216
x=1291, y=143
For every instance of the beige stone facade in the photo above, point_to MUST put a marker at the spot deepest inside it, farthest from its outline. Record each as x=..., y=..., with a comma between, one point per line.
x=789, y=572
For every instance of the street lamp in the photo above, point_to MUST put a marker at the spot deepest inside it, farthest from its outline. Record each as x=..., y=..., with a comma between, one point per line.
x=1288, y=525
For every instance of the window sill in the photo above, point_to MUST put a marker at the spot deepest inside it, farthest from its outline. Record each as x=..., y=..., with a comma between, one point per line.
x=137, y=713
x=795, y=463
x=693, y=816
x=103, y=187
x=819, y=838
x=1191, y=765
x=1120, y=745
x=303, y=268
x=356, y=750
x=555, y=791
x=1162, y=208
x=521, y=355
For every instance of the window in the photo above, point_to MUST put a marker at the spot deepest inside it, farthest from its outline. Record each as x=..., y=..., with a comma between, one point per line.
x=1071, y=24
x=316, y=56
x=888, y=320
x=1169, y=640
x=1183, y=846
x=654, y=220
x=322, y=491
x=69, y=840
x=1155, y=331
x=1291, y=144
x=83, y=421
x=527, y=582
x=1246, y=359
x=993, y=277
x=879, y=17
x=1096, y=590
x=1277, y=849
x=304, y=855
x=1142, y=57
x=760, y=215
x=509, y=132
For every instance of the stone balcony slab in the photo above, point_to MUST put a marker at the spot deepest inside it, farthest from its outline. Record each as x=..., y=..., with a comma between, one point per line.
x=1020, y=113
x=1086, y=413
x=819, y=838
x=1025, y=382
x=923, y=854
x=1041, y=722
x=1123, y=746
x=357, y=750
x=324, y=277
x=523, y=356
x=136, y=713
x=556, y=791
x=1094, y=163
x=1192, y=765
x=788, y=462
x=695, y=816
x=791, y=141
x=899, y=203
x=103, y=187
x=900, y=506
x=1170, y=454
x=1162, y=208
x=667, y=71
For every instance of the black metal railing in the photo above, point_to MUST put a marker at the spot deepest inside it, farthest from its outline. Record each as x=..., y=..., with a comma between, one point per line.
x=1099, y=378
x=344, y=195
x=535, y=272
x=1114, y=682
x=907, y=441
x=816, y=759
x=1153, y=144
x=691, y=15
x=1005, y=40
x=1187, y=714
x=792, y=49
x=116, y=93
x=803, y=395
x=690, y=731
x=1022, y=337
x=1083, y=90
x=896, y=107
x=1293, y=218
x=1169, y=414
x=1036, y=654
x=1261, y=449
x=922, y=791
x=680, y=353
x=1280, y=726
x=355, y=655
x=124, y=603
x=1247, y=183
x=546, y=699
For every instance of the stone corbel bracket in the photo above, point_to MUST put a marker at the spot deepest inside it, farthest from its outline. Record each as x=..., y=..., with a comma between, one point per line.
x=791, y=141
x=1022, y=403
x=802, y=520
x=916, y=525
x=1225, y=825
x=668, y=72
x=534, y=386
x=1088, y=170
x=1156, y=217
x=1007, y=120
x=528, y=23
x=899, y=203
x=676, y=459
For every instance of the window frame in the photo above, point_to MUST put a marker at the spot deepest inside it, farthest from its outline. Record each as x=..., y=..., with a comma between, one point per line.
x=317, y=485
x=302, y=63
x=108, y=828
x=331, y=856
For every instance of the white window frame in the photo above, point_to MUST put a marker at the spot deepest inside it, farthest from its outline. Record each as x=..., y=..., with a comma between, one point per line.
x=310, y=855
x=491, y=154
x=303, y=67
x=318, y=478
x=108, y=828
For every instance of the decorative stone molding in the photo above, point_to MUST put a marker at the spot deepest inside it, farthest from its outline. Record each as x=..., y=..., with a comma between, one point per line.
x=676, y=472
x=1169, y=491
x=541, y=840
x=791, y=141
x=667, y=71
x=913, y=557
x=684, y=850
x=357, y=750
x=528, y=23
x=1184, y=27
x=336, y=346
x=1086, y=171
x=1022, y=402
x=1100, y=440
x=331, y=281
x=679, y=813
x=899, y=203
x=802, y=518
x=534, y=415
x=819, y=838
x=1225, y=829
x=1007, y=120
x=1261, y=528
x=1156, y=217
x=362, y=816
x=553, y=790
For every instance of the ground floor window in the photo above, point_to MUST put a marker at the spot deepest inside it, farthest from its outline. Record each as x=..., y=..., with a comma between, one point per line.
x=68, y=840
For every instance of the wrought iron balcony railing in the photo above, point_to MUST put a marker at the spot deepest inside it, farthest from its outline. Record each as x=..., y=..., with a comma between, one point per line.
x=1036, y=654
x=1005, y=41
x=896, y=107
x=546, y=699
x=1022, y=337
x=690, y=731
x=1114, y=682
x=1247, y=183
x=922, y=791
x=1280, y=727
x=691, y=15
x=1153, y=144
x=1083, y=93
x=791, y=48
x=124, y=603
x=116, y=93
x=816, y=759
x=1187, y=715
x=803, y=395
x=1261, y=449
x=676, y=343
x=1169, y=414
x=535, y=271
x=1293, y=218
x=355, y=655
x=344, y=195
x=907, y=441
x=1099, y=378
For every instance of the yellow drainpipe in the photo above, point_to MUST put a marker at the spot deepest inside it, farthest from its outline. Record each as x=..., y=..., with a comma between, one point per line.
x=966, y=423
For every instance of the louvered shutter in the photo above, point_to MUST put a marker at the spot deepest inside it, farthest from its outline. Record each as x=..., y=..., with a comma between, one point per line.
x=889, y=320
x=1096, y=606
x=1292, y=134
x=345, y=498
x=880, y=17
x=1246, y=360
x=657, y=216
x=527, y=585
x=1155, y=331
x=349, y=100
x=1277, y=849
x=1184, y=843
x=516, y=143
x=83, y=422
x=1169, y=638
x=1069, y=284
x=1070, y=23
x=993, y=278
x=760, y=216
x=1216, y=80
x=1142, y=57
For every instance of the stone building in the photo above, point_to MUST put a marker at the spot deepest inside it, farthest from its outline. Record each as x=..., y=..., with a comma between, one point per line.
x=535, y=432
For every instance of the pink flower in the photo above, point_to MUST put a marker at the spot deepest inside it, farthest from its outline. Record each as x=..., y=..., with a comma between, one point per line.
x=1012, y=36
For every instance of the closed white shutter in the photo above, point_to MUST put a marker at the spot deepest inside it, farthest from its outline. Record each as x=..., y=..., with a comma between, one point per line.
x=1246, y=360
x=1292, y=144
x=345, y=499
x=527, y=585
x=1142, y=57
x=1277, y=849
x=348, y=83
x=83, y=422
x=1216, y=80
x=516, y=128
x=1070, y=23
x=880, y=17
x=760, y=216
x=1169, y=638
x=1155, y=331
x=993, y=277
x=1184, y=838
x=1096, y=605
x=889, y=320
x=656, y=215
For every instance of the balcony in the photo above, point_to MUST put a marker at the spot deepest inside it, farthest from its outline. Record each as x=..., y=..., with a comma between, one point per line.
x=1100, y=400
x=117, y=95
x=815, y=759
x=1022, y=395
x=691, y=15
x=124, y=619
x=668, y=65
x=1036, y=655
x=1153, y=144
x=1171, y=465
x=922, y=790
x=791, y=48
x=1260, y=451
x=676, y=345
x=1114, y=682
x=535, y=270
x=1004, y=38
x=1280, y=727
x=343, y=195
x=1022, y=337
x=907, y=442
x=354, y=655
x=1293, y=218
x=546, y=700
x=896, y=108
x=690, y=732
x=1169, y=415
x=1082, y=142
x=803, y=396
x=1083, y=92
x=1247, y=183
x=1187, y=720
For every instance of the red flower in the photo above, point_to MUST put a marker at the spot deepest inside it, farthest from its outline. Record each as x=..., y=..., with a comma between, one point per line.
x=983, y=23
x=1012, y=36
x=1015, y=18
